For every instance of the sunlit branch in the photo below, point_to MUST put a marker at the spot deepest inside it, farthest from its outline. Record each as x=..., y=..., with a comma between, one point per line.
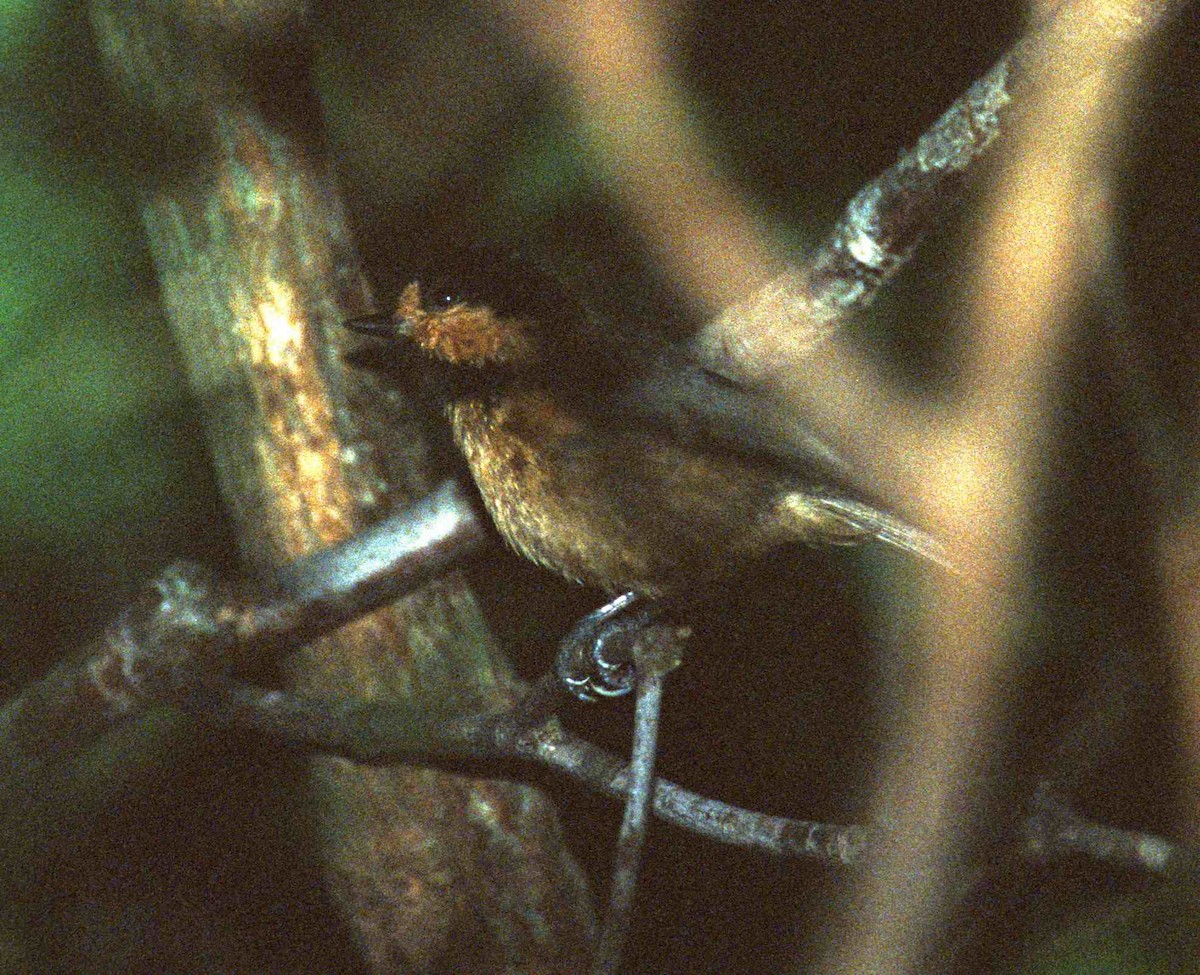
x=188, y=625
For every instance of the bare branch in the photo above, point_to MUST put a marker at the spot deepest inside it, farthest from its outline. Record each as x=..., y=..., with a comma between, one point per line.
x=389, y=731
x=656, y=654
x=189, y=626
x=390, y=558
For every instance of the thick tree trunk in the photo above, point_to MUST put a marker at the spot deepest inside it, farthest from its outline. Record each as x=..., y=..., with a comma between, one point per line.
x=434, y=872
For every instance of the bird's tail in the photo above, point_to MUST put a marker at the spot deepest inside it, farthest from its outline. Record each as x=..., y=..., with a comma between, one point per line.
x=843, y=521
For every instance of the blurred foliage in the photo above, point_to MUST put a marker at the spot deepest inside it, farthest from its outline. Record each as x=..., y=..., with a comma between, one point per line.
x=15, y=19
x=94, y=430
x=1150, y=933
x=444, y=131
x=76, y=376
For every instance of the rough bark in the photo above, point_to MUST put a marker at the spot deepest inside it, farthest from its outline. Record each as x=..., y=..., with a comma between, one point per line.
x=433, y=871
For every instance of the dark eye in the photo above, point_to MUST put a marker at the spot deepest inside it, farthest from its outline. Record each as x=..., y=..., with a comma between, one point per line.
x=439, y=297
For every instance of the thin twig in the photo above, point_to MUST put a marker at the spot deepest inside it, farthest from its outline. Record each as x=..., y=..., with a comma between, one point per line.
x=652, y=668
x=391, y=732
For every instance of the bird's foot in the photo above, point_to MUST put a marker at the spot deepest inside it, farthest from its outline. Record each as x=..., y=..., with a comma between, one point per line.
x=598, y=658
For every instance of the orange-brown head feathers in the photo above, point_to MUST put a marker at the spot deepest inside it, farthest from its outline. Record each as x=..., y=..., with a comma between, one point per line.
x=462, y=332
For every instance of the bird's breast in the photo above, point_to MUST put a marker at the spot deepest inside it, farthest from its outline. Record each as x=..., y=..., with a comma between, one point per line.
x=610, y=504
x=538, y=469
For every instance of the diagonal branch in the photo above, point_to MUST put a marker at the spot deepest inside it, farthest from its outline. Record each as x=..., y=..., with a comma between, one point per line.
x=189, y=624
x=784, y=339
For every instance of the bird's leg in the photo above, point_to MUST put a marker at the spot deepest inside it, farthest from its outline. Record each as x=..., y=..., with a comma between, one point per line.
x=596, y=658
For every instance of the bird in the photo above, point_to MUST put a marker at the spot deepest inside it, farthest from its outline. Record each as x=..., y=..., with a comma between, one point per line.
x=582, y=433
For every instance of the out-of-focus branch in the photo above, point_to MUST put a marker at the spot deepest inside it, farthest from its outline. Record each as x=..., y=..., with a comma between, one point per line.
x=1054, y=830
x=973, y=480
x=782, y=337
x=256, y=269
x=615, y=62
x=333, y=586
x=1178, y=546
x=1178, y=567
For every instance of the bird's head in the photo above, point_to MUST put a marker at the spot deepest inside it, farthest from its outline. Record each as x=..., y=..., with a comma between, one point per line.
x=483, y=311
x=456, y=329
x=487, y=321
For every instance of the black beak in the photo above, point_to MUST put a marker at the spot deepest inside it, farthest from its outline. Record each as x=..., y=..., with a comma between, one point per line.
x=382, y=326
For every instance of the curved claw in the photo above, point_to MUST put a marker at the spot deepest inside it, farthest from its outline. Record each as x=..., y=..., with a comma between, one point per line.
x=601, y=657
x=589, y=675
x=596, y=657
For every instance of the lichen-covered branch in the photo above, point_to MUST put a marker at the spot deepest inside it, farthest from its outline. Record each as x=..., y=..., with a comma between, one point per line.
x=785, y=340
x=188, y=625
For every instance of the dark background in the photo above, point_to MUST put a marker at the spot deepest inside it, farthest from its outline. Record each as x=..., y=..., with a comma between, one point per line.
x=443, y=132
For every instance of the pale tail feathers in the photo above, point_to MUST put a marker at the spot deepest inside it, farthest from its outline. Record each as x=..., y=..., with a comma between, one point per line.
x=837, y=520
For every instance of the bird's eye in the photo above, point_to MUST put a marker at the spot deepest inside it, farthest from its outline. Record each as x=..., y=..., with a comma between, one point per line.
x=442, y=298
x=441, y=290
